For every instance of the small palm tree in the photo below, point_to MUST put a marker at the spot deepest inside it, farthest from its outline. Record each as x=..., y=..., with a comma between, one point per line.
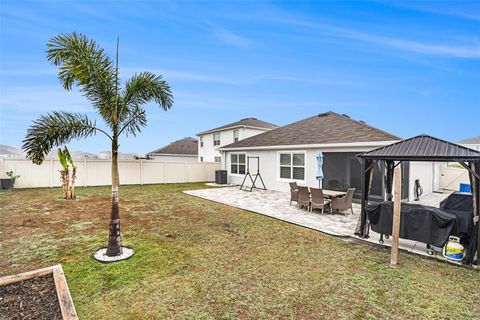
x=84, y=64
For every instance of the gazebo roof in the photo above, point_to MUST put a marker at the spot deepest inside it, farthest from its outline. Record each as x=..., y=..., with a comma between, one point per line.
x=423, y=148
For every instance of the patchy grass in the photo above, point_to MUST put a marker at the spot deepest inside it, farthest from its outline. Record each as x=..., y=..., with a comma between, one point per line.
x=202, y=260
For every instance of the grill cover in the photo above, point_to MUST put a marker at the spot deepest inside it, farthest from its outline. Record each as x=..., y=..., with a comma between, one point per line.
x=420, y=223
x=461, y=205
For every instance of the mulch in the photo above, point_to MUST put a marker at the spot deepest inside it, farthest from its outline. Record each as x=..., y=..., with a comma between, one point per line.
x=30, y=299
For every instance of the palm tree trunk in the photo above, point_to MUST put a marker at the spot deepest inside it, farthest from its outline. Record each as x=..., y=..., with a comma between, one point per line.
x=114, y=238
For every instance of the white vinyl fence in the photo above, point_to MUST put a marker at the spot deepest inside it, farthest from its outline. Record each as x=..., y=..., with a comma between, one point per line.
x=94, y=172
x=450, y=178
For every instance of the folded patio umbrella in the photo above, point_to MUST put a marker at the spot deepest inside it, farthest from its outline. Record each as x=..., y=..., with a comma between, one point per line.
x=319, y=175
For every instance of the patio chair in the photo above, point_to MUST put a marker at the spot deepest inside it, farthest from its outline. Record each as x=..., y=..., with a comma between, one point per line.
x=343, y=203
x=293, y=192
x=303, y=197
x=318, y=202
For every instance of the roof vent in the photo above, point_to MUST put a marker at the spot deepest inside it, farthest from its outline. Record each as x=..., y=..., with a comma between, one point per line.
x=361, y=121
x=248, y=119
x=323, y=114
x=346, y=115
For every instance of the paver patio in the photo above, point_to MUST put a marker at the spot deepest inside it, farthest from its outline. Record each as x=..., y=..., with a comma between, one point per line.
x=275, y=204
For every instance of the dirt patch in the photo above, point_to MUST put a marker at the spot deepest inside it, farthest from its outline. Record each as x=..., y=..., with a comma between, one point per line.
x=30, y=299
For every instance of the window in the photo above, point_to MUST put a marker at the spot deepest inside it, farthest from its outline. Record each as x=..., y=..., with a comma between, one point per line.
x=201, y=159
x=216, y=139
x=292, y=166
x=201, y=141
x=235, y=135
x=217, y=159
x=237, y=163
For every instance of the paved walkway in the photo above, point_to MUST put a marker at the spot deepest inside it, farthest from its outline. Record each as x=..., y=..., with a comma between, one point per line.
x=275, y=204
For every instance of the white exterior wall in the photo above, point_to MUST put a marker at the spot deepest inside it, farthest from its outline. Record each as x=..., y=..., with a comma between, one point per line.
x=96, y=172
x=173, y=158
x=425, y=171
x=269, y=166
x=209, y=151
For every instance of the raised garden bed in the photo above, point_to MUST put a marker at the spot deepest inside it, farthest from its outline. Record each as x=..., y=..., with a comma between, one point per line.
x=38, y=294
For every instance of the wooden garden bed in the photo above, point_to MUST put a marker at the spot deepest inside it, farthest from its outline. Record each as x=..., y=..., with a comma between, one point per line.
x=38, y=294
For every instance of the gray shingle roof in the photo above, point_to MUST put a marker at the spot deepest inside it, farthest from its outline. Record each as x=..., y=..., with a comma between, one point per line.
x=247, y=122
x=474, y=140
x=185, y=146
x=329, y=127
x=423, y=148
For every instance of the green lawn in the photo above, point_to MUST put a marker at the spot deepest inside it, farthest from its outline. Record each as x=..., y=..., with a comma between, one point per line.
x=201, y=260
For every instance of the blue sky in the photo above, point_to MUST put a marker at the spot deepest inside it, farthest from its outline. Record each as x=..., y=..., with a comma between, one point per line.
x=405, y=67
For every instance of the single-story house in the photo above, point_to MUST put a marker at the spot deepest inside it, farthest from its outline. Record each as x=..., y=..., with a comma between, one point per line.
x=184, y=150
x=288, y=153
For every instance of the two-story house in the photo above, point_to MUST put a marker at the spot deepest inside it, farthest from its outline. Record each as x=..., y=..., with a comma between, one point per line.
x=209, y=141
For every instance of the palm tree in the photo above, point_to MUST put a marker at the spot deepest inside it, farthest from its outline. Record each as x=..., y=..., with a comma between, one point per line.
x=84, y=64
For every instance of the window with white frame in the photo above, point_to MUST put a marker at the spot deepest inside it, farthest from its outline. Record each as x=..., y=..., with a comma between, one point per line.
x=237, y=163
x=292, y=166
x=216, y=139
x=217, y=159
x=201, y=141
x=236, y=135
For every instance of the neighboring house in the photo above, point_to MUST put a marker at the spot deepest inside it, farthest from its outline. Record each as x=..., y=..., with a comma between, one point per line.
x=184, y=150
x=10, y=152
x=83, y=155
x=121, y=156
x=211, y=140
x=288, y=154
x=472, y=143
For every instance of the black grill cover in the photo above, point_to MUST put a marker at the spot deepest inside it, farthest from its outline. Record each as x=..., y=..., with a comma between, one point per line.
x=420, y=223
x=461, y=205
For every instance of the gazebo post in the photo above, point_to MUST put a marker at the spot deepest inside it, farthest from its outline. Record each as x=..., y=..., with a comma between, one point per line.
x=397, y=206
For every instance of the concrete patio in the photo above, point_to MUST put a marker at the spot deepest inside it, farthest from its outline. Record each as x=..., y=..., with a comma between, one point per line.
x=275, y=204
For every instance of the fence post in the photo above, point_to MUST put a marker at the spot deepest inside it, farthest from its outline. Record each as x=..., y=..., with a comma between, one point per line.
x=51, y=172
x=84, y=172
x=165, y=172
x=141, y=172
x=185, y=168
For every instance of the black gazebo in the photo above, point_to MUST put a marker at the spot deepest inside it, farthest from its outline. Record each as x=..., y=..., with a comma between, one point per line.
x=421, y=148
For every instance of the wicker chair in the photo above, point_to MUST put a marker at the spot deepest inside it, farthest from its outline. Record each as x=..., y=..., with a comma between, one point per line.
x=293, y=192
x=318, y=202
x=345, y=202
x=303, y=197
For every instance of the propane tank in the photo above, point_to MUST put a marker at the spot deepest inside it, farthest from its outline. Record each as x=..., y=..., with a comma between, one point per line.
x=453, y=250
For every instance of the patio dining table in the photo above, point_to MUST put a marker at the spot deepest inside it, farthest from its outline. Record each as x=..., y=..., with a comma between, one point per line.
x=333, y=193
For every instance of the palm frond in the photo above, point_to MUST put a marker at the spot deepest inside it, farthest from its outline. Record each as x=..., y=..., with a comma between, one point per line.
x=136, y=120
x=145, y=87
x=55, y=129
x=139, y=90
x=84, y=64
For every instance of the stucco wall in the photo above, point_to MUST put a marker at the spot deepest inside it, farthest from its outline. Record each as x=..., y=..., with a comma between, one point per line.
x=269, y=166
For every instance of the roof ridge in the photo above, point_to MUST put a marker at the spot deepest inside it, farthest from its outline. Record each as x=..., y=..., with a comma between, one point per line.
x=362, y=123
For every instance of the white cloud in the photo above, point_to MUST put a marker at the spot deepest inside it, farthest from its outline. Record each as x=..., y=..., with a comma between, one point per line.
x=471, y=50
